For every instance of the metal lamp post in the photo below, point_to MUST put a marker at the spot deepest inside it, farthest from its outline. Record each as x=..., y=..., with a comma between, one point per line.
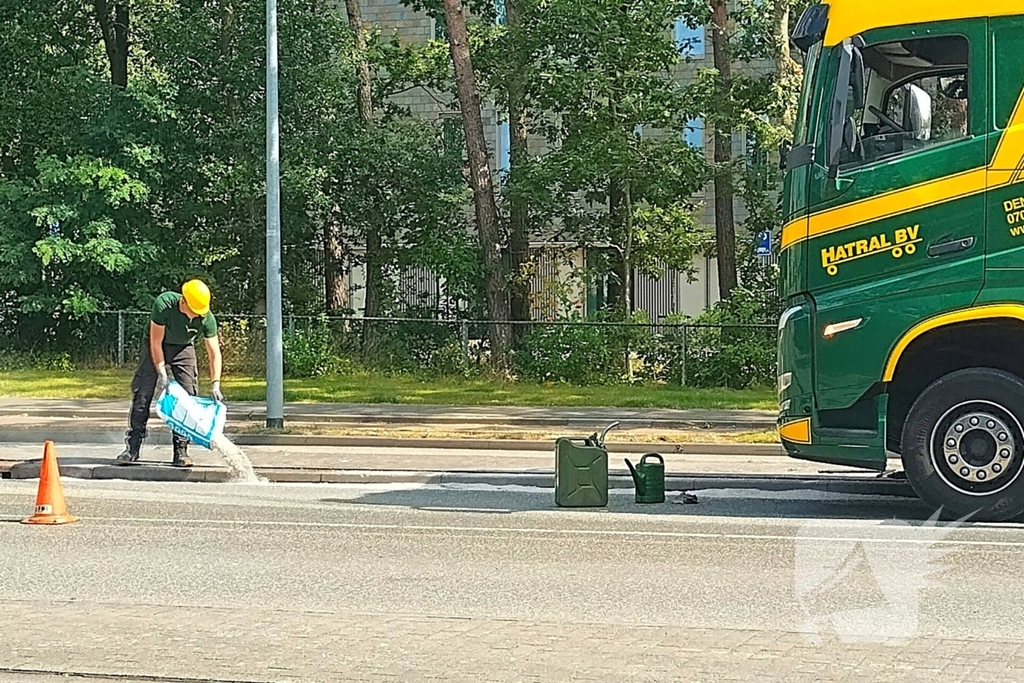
x=275, y=350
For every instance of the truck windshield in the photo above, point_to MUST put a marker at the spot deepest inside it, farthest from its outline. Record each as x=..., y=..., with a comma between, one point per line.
x=803, y=121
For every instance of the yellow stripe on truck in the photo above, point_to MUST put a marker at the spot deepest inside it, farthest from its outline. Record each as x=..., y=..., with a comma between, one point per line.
x=1013, y=311
x=892, y=204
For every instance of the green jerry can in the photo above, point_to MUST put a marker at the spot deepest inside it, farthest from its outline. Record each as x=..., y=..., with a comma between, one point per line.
x=581, y=471
x=649, y=478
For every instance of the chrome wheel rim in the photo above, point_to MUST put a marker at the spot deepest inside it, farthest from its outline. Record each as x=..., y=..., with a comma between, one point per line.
x=976, y=447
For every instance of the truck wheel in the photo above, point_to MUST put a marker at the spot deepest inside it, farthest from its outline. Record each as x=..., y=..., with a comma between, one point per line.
x=963, y=445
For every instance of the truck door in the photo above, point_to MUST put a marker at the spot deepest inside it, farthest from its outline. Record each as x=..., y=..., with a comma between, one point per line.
x=1005, y=245
x=900, y=228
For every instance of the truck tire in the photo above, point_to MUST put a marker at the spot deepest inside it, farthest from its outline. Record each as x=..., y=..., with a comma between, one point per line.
x=963, y=445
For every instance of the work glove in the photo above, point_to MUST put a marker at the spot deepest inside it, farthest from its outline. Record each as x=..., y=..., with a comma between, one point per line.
x=161, y=379
x=217, y=394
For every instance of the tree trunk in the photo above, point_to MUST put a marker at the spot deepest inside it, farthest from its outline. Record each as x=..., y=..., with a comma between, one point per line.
x=725, y=222
x=617, y=297
x=335, y=270
x=619, y=294
x=374, y=246
x=364, y=95
x=519, y=209
x=627, y=249
x=374, y=282
x=627, y=261
x=228, y=38
x=115, y=39
x=780, y=24
x=787, y=71
x=482, y=182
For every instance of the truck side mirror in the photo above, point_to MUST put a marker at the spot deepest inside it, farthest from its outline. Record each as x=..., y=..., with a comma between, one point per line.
x=810, y=27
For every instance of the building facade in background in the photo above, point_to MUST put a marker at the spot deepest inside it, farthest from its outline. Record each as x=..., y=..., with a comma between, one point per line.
x=557, y=289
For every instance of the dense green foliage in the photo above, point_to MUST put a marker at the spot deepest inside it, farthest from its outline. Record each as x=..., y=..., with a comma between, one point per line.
x=108, y=195
x=111, y=192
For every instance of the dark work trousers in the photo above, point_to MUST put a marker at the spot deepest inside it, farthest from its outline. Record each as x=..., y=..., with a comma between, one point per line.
x=181, y=363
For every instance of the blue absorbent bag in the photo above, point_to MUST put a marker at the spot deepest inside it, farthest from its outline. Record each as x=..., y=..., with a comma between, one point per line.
x=199, y=419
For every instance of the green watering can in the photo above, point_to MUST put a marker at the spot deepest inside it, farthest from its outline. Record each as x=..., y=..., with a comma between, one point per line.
x=649, y=478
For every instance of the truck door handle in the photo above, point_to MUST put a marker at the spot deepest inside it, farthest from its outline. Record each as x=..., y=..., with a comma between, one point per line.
x=962, y=244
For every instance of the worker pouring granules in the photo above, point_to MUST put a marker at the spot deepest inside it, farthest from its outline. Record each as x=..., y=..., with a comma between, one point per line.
x=176, y=321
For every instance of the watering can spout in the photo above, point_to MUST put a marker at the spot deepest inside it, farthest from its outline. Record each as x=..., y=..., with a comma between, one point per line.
x=633, y=473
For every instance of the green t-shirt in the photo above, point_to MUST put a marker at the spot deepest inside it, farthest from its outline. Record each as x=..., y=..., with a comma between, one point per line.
x=179, y=330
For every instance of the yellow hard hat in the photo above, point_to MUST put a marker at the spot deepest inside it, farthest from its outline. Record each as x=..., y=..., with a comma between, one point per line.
x=197, y=296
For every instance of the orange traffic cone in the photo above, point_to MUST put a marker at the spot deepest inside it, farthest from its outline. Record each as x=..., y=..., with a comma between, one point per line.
x=50, y=506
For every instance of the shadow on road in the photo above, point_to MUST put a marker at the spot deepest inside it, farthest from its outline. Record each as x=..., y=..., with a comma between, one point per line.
x=711, y=503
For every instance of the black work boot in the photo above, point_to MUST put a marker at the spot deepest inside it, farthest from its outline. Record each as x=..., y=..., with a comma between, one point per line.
x=181, y=458
x=132, y=446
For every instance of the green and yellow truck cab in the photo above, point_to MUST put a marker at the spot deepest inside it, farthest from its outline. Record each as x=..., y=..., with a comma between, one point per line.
x=903, y=248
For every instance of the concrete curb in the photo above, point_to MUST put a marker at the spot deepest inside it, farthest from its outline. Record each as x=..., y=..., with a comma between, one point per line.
x=572, y=423
x=162, y=437
x=857, y=484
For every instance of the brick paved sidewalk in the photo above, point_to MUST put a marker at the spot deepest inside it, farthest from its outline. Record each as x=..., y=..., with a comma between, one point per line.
x=244, y=645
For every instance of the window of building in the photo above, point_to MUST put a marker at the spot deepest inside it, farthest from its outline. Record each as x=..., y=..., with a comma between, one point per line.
x=695, y=133
x=500, y=16
x=440, y=30
x=504, y=145
x=689, y=41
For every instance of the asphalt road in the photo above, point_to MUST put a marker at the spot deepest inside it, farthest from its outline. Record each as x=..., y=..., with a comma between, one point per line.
x=203, y=582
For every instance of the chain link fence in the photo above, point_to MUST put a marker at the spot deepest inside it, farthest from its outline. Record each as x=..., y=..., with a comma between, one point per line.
x=571, y=351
